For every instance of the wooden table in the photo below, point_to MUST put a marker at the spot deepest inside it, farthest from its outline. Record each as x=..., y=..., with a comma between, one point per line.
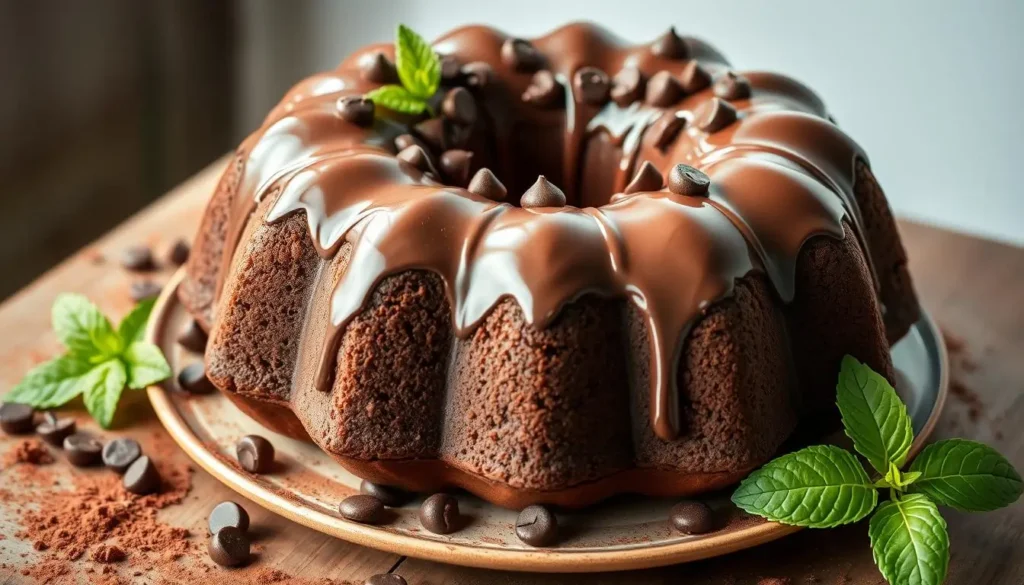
x=974, y=288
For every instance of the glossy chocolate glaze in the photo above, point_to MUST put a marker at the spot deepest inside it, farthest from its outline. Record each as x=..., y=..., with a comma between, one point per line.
x=780, y=175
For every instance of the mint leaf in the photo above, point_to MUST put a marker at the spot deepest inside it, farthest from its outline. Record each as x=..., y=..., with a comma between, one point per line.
x=909, y=541
x=873, y=416
x=418, y=66
x=397, y=98
x=102, y=387
x=146, y=365
x=82, y=328
x=966, y=475
x=133, y=326
x=51, y=384
x=819, y=487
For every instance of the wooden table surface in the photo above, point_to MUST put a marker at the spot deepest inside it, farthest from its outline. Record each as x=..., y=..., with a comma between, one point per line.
x=973, y=287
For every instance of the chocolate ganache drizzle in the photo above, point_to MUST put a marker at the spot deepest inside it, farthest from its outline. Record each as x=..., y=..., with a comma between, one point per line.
x=780, y=174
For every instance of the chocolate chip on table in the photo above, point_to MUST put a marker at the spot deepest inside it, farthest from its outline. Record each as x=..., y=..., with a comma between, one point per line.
x=715, y=115
x=591, y=85
x=627, y=86
x=386, y=579
x=536, y=526
x=692, y=518
x=686, y=180
x=17, y=419
x=544, y=90
x=141, y=477
x=663, y=90
x=459, y=106
x=646, y=179
x=543, y=193
x=179, y=252
x=54, y=430
x=83, y=449
x=229, y=547
x=255, y=454
x=670, y=45
x=138, y=259
x=121, y=453
x=192, y=378
x=362, y=508
x=388, y=495
x=145, y=289
x=356, y=109
x=227, y=514
x=694, y=77
x=440, y=513
x=521, y=55
x=192, y=337
x=486, y=184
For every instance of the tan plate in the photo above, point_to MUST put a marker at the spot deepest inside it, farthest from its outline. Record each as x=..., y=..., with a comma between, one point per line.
x=626, y=533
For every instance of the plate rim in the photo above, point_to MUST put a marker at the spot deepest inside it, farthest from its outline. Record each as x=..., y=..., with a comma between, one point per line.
x=551, y=560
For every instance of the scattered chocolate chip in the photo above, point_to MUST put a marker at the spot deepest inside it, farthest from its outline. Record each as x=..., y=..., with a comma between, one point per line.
x=670, y=46
x=694, y=77
x=138, y=259
x=478, y=74
x=388, y=495
x=521, y=55
x=451, y=70
x=362, y=508
x=536, y=526
x=592, y=85
x=229, y=547
x=432, y=132
x=192, y=379
x=486, y=184
x=378, y=69
x=646, y=179
x=82, y=449
x=356, y=109
x=255, y=454
x=417, y=157
x=459, y=106
x=141, y=478
x=227, y=514
x=544, y=90
x=17, y=419
x=715, y=115
x=732, y=86
x=686, y=180
x=663, y=90
x=455, y=165
x=386, y=579
x=54, y=430
x=627, y=86
x=543, y=193
x=121, y=453
x=665, y=131
x=192, y=337
x=440, y=513
x=692, y=518
x=403, y=141
x=145, y=289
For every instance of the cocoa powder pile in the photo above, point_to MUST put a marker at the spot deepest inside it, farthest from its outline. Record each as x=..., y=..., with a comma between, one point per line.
x=31, y=451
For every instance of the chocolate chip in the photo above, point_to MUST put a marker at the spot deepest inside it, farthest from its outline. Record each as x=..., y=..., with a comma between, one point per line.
x=486, y=184
x=543, y=193
x=362, y=508
x=536, y=526
x=686, y=180
x=386, y=579
x=663, y=90
x=403, y=141
x=451, y=70
x=715, y=115
x=627, y=86
x=82, y=449
x=356, y=109
x=459, y=106
x=378, y=69
x=141, y=478
x=229, y=547
x=732, y=86
x=417, y=157
x=646, y=179
x=388, y=495
x=54, y=430
x=192, y=378
x=121, y=453
x=544, y=90
x=16, y=419
x=455, y=165
x=670, y=46
x=227, y=514
x=665, y=131
x=138, y=259
x=592, y=85
x=432, y=132
x=521, y=55
x=255, y=454
x=192, y=337
x=692, y=518
x=478, y=74
x=144, y=289
x=440, y=514
x=694, y=77
x=178, y=254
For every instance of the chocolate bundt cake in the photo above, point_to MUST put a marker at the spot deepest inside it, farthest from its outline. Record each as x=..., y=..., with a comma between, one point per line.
x=587, y=268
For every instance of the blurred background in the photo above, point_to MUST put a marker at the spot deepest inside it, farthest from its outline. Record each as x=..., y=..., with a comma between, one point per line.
x=106, y=104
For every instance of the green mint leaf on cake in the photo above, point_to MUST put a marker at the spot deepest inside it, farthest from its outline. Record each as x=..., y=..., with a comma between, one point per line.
x=398, y=99
x=418, y=66
x=873, y=416
x=102, y=387
x=819, y=487
x=966, y=475
x=909, y=541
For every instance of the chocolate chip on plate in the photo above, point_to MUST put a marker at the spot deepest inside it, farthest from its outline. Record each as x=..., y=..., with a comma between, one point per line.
x=692, y=518
x=178, y=254
x=440, y=513
x=388, y=495
x=229, y=547
x=138, y=259
x=362, y=508
x=82, y=449
x=227, y=514
x=142, y=477
x=686, y=180
x=536, y=526
x=192, y=337
x=54, y=430
x=192, y=378
x=145, y=289
x=120, y=453
x=17, y=419
x=255, y=454
x=386, y=579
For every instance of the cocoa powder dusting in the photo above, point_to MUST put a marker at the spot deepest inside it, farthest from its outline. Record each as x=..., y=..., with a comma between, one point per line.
x=961, y=364
x=31, y=451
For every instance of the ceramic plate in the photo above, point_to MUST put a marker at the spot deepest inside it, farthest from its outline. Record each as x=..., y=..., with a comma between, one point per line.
x=625, y=533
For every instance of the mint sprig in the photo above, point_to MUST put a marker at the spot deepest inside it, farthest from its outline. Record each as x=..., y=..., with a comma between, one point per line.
x=825, y=486
x=100, y=361
x=419, y=70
